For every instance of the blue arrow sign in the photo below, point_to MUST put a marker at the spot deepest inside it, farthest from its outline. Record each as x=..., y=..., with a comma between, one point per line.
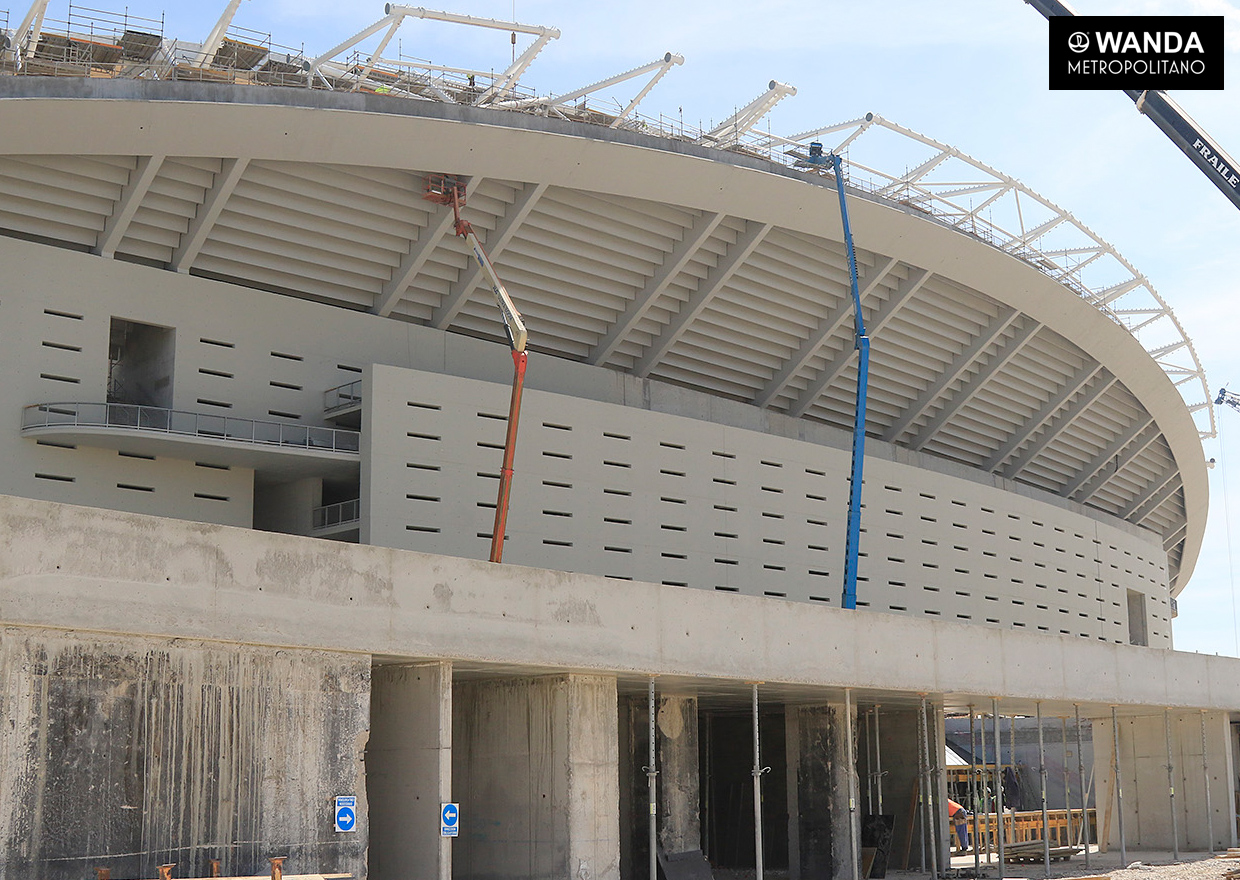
x=346, y=813
x=449, y=815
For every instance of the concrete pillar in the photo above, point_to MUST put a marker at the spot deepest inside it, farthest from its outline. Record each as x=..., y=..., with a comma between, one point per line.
x=1143, y=762
x=534, y=765
x=409, y=770
x=818, y=788
x=676, y=725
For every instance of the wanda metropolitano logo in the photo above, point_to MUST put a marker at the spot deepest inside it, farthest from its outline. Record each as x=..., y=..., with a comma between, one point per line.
x=1136, y=52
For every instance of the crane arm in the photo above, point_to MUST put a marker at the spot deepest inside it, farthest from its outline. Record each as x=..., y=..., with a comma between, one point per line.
x=1177, y=125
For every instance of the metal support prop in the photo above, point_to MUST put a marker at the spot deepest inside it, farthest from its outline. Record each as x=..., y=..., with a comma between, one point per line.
x=932, y=823
x=1205, y=778
x=862, y=344
x=1119, y=790
x=1067, y=789
x=878, y=761
x=869, y=762
x=652, y=773
x=973, y=788
x=1175, y=823
x=921, y=795
x=994, y=711
x=757, y=790
x=1080, y=776
x=1046, y=821
x=850, y=767
x=986, y=777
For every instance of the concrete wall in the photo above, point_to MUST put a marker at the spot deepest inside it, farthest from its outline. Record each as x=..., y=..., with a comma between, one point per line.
x=1143, y=758
x=409, y=770
x=534, y=770
x=173, y=578
x=129, y=752
x=634, y=494
x=615, y=476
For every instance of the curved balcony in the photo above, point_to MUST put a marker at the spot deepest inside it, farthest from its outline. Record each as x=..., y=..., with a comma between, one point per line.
x=274, y=448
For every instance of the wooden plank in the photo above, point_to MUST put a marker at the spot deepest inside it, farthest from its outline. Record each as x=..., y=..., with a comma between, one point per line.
x=912, y=813
x=1104, y=839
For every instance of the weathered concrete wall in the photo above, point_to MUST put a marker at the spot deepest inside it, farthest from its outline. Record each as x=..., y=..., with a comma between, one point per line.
x=409, y=770
x=676, y=737
x=128, y=753
x=175, y=578
x=1143, y=775
x=534, y=767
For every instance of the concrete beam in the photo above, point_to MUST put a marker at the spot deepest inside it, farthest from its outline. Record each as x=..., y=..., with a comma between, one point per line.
x=178, y=579
x=1058, y=426
x=1032, y=426
x=1140, y=435
x=673, y=264
x=902, y=294
x=140, y=180
x=714, y=282
x=827, y=328
x=209, y=211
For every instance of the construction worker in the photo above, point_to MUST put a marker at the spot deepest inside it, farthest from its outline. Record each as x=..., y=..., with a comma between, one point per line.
x=959, y=816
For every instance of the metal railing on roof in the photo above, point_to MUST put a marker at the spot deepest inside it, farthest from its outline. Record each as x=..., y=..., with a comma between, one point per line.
x=342, y=397
x=207, y=426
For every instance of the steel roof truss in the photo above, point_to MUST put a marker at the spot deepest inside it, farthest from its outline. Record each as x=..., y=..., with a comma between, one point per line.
x=497, y=240
x=710, y=287
x=898, y=298
x=1093, y=477
x=208, y=212
x=114, y=227
x=1058, y=425
x=827, y=328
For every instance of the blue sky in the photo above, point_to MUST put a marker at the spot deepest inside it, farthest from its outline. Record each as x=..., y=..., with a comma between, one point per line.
x=971, y=73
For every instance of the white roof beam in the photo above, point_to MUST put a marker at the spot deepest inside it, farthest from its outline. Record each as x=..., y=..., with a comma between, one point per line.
x=957, y=368
x=215, y=39
x=1037, y=232
x=1114, y=292
x=392, y=20
x=140, y=180
x=1034, y=424
x=1167, y=349
x=29, y=29
x=673, y=264
x=919, y=172
x=730, y=131
x=1001, y=359
x=496, y=241
x=898, y=298
x=658, y=68
x=1158, y=491
x=827, y=328
x=714, y=282
x=439, y=225
x=1109, y=462
x=1058, y=426
x=208, y=212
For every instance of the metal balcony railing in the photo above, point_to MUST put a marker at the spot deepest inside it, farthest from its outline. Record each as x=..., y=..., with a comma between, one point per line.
x=154, y=419
x=340, y=514
x=344, y=396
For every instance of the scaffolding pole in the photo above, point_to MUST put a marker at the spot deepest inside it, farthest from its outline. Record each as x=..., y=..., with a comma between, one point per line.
x=1205, y=774
x=757, y=790
x=1119, y=790
x=1175, y=822
x=652, y=773
x=977, y=855
x=1046, y=820
x=1080, y=775
x=931, y=820
x=878, y=762
x=986, y=777
x=994, y=709
x=850, y=768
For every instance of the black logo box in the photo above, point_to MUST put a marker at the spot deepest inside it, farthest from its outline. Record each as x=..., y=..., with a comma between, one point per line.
x=1136, y=52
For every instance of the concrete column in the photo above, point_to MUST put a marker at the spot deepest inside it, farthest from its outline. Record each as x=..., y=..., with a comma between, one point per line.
x=818, y=787
x=680, y=826
x=534, y=764
x=1143, y=760
x=409, y=770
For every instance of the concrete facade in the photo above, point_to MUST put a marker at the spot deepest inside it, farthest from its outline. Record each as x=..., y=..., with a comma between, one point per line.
x=232, y=333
